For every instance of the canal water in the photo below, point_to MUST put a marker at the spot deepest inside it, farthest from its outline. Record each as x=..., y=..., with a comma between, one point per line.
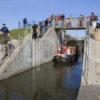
x=46, y=82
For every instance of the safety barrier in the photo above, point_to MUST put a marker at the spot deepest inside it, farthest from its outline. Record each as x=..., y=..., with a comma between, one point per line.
x=67, y=23
x=7, y=49
x=72, y=23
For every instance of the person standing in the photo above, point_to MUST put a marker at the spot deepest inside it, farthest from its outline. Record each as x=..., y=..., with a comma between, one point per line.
x=5, y=38
x=46, y=24
x=25, y=22
x=34, y=28
x=93, y=20
x=62, y=17
x=81, y=21
x=41, y=28
x=5, y=32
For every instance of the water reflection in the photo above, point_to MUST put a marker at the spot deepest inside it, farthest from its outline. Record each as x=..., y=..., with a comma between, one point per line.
x=47, y=82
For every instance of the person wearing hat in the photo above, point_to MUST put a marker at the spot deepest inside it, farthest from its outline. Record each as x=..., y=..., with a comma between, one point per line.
x=5, y=30
x=93, y=18
x=5, y=34
x=93, y=21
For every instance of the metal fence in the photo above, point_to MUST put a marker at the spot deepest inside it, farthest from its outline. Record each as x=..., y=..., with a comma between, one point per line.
x=7, y=49
x=28, y=24
x=70, y=22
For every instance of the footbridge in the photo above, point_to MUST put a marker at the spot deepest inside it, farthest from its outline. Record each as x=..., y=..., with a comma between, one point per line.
x=32, y=53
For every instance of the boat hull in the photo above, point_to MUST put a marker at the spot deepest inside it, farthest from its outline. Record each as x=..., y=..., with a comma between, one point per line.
x=68, y=59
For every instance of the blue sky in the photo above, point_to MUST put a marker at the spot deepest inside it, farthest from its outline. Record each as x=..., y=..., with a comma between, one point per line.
x=11, y=11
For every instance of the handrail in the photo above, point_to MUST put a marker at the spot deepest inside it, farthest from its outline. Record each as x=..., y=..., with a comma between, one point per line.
x=75, y=21
x=7, y=51
x=1, y=48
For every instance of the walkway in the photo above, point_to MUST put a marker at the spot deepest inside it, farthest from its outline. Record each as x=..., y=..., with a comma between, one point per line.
x=89, y=93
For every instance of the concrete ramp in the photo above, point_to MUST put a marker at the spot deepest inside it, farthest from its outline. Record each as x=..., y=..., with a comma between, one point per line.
x=30, y=53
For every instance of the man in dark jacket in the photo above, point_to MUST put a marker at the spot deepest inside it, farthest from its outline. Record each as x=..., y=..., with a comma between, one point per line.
x=34, y=28
x=62, y=17
x=5, y=35
x=25, y=22
x=5, y=30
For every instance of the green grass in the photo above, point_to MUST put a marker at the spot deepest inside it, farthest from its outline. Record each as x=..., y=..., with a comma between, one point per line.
x=18, y=33
x=3, y=40
x=15, y=34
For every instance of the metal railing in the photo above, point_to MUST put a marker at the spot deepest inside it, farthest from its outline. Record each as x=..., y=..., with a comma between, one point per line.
x=67, y=23
x=27, y=25
x=2, y=54
x=72, y=23
x=7, y=49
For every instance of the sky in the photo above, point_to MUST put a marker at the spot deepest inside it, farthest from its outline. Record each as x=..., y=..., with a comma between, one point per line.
x=13, y=11
x=78, y=34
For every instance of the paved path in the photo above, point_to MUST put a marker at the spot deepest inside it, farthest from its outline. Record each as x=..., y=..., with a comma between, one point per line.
x=89, y=93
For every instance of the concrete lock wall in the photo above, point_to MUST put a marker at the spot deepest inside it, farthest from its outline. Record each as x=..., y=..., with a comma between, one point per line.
x=17, y=61
x=91, y=62
x=30, y=54
x=92, y=72
x=44, y=49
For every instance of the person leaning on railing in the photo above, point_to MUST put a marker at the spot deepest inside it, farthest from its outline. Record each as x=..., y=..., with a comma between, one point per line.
x=93, y=20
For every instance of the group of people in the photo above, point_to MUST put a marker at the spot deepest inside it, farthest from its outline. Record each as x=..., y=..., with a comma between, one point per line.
x=42, y=26
x=59, y=21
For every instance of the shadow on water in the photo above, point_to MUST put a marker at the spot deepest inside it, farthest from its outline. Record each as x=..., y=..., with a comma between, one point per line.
x=46, y=82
